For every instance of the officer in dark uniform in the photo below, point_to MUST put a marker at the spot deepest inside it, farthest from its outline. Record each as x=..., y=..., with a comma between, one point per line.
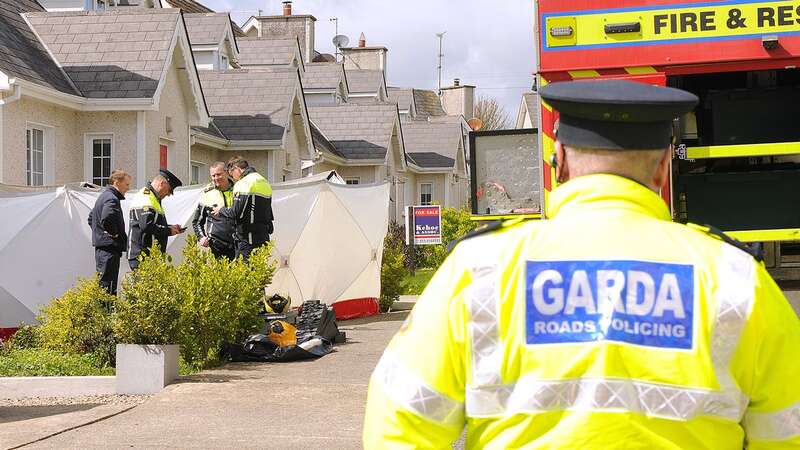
x=147, y=219
x=252, y=207
x=108, y=230
x=215, y=232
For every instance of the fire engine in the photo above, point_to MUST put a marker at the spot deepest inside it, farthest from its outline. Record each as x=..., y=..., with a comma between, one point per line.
x=736, y=164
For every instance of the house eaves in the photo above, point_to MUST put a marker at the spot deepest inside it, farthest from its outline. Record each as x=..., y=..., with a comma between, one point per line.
x=206, y=139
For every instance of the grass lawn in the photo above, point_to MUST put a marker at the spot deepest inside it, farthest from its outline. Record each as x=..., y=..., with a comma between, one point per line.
x=48, y=363
x=413, y=285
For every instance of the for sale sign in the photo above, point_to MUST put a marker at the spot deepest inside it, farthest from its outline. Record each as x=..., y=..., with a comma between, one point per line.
x=427, y=222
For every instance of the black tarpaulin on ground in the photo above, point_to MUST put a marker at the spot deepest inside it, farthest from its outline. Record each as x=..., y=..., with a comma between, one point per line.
x=316, y=333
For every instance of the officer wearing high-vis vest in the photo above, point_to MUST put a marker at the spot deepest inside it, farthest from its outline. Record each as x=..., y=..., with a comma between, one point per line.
x=252, y=207
x=607, y=326
x=215, y=232
x=148, y=222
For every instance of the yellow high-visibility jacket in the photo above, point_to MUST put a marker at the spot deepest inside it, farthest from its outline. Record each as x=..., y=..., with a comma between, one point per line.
x=607, y=327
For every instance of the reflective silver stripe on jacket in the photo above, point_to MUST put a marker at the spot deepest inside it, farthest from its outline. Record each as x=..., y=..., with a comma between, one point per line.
x=530, y=395
x=409, y=391
x=734, y=298
x=776, y=426
x=487, y=353
x=487, y=396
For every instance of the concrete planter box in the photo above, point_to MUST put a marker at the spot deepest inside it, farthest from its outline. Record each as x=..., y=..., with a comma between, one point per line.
x=146, y=369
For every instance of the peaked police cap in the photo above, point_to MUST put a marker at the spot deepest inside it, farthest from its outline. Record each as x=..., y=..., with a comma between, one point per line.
x=616, y=114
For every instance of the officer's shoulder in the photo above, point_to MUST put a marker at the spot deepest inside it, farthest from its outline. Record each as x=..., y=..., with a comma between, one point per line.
x=146, y=191
x=487, y=229
x=719, y=235
x=209, y=187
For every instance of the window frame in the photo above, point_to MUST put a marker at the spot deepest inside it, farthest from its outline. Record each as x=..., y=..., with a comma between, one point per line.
x=199, y=165
x=29, y=172
x=347, y=181
x=419, y=187
x=88, y=146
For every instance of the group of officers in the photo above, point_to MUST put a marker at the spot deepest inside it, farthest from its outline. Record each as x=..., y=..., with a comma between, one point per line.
x=233, y=217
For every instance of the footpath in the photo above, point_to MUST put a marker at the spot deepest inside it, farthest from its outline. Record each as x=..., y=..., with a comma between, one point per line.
x=302, y=405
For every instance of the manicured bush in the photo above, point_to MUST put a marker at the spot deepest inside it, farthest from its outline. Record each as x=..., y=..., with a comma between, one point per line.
x=148, y=311
x=41, y=362
x=219, y=301
x=78, y=322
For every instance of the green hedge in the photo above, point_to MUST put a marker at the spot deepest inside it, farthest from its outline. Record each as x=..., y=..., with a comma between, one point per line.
x=200, y=304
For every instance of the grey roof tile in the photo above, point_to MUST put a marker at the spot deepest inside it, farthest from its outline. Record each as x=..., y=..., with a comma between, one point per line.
x=323, y=75
x=427, y=103
x=113, y=45
x=248, y=104
x=531, y=100
x=429, y=138
x=404, y=97
x=266, y=52
x=364, y=80
x=357, y=131
x=206, y=28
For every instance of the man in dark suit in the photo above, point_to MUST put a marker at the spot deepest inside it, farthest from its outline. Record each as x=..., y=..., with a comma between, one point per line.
x=108, y=230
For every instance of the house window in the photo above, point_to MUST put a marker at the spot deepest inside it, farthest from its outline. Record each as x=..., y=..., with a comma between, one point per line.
x=35, y=157
x=196, y=167
x=224, y=63
x=352, y=180
x=101, y=161
x=425, y=194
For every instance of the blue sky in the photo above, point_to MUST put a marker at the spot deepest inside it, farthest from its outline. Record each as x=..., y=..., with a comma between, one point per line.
x=489, y=43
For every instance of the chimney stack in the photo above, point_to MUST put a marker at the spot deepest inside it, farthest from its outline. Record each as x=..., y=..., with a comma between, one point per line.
x=456, y=82
x=287, y=8
x=362, y=41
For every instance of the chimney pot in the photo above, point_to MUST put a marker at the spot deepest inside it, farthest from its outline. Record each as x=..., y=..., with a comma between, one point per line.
x=287, y=8
x=362, y=41
x=457, y=82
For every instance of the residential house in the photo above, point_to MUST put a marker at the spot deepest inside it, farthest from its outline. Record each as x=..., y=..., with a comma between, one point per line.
x=325, y=84
x=259, y=114
x=437, y=159
x=82, y=93
x=366, y=86
x=364, y=144
x=288, y=25
x=528, y=115
x=213, y=41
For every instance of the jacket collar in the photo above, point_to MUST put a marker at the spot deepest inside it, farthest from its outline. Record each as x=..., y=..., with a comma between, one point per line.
x=604, y=192
x=153, y=192
x=116, y=193
x=248, y=171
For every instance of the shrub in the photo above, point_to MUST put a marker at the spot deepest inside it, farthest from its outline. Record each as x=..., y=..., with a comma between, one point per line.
x=78, y=322
x=219, y=301
x=27, y=336
x=456, y=223
x=393, y=271
x=40, y=362
x=148, y=312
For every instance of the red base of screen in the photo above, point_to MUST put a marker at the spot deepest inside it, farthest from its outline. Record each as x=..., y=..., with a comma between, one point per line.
x=355, y=308
x=6, y=333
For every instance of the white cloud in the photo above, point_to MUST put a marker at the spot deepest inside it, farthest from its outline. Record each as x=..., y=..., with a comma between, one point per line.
x=489, y=43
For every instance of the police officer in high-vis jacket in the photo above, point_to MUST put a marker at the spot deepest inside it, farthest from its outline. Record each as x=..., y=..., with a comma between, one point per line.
x=607, y=326
x=215, y=232
x=252, y=207
x=148, y=222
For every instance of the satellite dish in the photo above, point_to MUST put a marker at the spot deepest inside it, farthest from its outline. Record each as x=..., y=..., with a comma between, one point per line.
x=475, y=123
x=340, y=41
